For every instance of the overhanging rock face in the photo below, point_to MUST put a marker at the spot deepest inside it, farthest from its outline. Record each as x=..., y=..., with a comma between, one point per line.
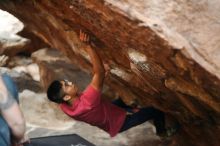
x=160, y=52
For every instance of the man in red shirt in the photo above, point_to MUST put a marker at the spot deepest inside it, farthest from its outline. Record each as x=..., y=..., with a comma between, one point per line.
x=89, y=107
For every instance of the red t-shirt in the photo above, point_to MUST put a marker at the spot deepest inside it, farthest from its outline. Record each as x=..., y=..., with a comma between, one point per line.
x=90, y=108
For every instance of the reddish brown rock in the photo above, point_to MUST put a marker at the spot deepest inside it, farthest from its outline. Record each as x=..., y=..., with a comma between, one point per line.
x=35, y=44
x=153, y=49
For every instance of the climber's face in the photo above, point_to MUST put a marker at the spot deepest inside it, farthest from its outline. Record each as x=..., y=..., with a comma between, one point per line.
x=69, y=88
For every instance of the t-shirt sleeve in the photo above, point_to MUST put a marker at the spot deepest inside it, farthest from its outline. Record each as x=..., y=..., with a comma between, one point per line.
x=91, y=96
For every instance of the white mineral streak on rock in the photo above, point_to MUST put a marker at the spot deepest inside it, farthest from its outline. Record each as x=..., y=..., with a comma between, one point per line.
x=136, y=56
x=138, y=59
x=120, y=73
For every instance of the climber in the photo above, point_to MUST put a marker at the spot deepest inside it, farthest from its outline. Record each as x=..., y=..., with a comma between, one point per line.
x=12, y=123
x=89, y=107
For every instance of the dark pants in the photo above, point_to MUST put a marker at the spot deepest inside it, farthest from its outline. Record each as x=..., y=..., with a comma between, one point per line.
x=143, y=115
x=4, y=129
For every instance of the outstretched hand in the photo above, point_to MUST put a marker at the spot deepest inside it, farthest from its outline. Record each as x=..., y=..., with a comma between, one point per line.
x=84, y=37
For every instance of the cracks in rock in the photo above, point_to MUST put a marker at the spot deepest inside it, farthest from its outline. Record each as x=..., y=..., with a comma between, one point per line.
x=189, y=88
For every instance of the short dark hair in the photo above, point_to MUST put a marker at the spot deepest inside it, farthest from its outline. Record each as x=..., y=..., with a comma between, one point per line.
x=55, y=92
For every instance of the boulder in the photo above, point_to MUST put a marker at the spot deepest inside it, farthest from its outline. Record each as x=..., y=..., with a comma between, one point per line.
x=162, y=53
x=10, y=42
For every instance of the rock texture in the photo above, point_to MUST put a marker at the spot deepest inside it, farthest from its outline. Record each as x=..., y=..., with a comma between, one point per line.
x=160, y=52
x=53, y=65
x=10, y=43
x=24, y=72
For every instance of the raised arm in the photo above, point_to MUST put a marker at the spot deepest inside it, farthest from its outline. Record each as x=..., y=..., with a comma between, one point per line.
x=12, y=114
x=98, y=68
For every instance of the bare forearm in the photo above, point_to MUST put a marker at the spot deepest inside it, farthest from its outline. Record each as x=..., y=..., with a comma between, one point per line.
x=11, y=113
x=18, y=131
x=98, y=67
x=15, y=120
